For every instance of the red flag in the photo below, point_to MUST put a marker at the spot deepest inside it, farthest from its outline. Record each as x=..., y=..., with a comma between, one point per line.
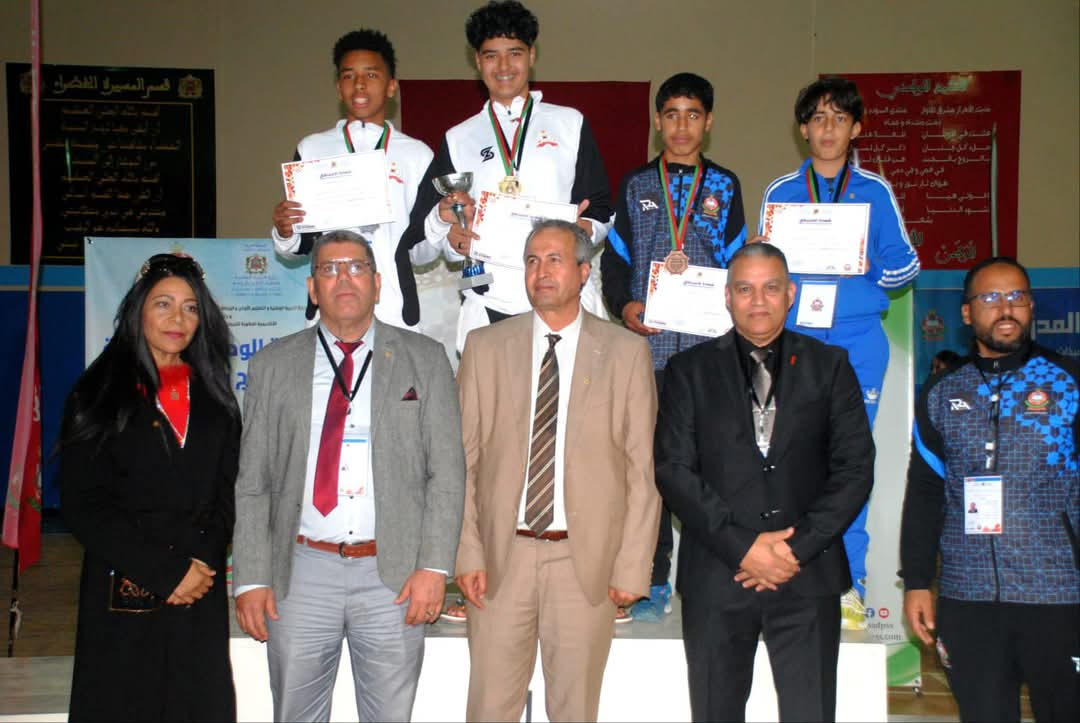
x=22, y=513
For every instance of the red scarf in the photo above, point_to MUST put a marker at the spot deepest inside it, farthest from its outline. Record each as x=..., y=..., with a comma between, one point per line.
x=174, y=398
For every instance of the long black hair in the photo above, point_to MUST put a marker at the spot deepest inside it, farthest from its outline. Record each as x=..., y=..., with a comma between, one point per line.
x=124, y=377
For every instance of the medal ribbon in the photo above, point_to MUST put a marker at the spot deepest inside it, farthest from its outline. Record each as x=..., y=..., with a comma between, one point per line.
x=678, y=229
x=815, y=192
x=384, y=139
x=511, y=153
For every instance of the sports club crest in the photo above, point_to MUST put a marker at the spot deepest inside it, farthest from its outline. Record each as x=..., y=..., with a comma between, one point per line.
x=710, y=206
x=544, y=139
x=255, y=264
x=1037, y=401
x=933, y=326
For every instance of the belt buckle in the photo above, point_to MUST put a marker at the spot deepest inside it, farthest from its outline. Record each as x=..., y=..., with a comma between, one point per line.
x=341, y=549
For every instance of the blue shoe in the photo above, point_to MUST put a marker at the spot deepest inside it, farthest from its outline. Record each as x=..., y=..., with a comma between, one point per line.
x=653, y=608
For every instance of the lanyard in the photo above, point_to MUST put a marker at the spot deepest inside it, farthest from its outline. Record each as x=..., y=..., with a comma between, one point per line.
x=511, y=153
x=991, y=445
x=815, y=192
x=337, y=371
x=383, y=144
x=678, y=229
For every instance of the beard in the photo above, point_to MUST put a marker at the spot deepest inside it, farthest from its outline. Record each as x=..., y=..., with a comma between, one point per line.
x=985, y=335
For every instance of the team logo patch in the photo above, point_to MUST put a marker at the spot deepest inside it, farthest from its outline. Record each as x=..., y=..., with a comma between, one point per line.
x=1037, y=401
x=959, y=405
x=933, y=326
x=255, y=264
x=870, y=395
x=486, y=154
x=710, y=206
x=393, y=174
x=544, y=139
x=647, y=204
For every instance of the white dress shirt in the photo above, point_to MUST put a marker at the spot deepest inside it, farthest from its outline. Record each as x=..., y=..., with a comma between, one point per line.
x=566, y=353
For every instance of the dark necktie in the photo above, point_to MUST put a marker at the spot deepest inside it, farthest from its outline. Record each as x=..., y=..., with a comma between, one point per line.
x=325, y=496
x=540, y=492
x=761, y=380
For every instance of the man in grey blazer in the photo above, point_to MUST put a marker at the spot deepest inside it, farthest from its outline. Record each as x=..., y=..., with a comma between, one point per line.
x=350, y=496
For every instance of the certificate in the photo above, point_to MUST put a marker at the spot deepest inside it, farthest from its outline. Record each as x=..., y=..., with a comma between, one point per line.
x=346, y=191
x=503, y=222
x=691, y=302
x=820, y=238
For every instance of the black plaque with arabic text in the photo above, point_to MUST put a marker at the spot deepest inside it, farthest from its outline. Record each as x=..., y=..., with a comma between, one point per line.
x=124, y=152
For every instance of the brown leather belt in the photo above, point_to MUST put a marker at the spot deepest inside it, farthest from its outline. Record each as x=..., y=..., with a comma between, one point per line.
x=358, y=549
x=549, y=535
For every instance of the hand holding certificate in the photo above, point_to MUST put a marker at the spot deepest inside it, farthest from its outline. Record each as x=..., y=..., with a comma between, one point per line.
x=346, y=191
x=503, y=222
x=691, y=302
x=820, y=238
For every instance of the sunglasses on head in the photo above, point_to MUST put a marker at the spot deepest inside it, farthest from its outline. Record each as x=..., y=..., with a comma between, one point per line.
x=172, y=263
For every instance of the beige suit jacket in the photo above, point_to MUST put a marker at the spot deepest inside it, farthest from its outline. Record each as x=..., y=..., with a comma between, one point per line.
x=612, y=505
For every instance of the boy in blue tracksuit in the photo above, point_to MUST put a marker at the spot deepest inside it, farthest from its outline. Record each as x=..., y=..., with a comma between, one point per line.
x=829, y=113
x=705, y=201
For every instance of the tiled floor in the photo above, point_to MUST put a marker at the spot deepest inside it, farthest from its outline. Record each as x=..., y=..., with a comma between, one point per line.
x=49, y=590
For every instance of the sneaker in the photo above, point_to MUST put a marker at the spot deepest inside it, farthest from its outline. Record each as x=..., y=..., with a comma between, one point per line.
x=653, y=608
x=622, y=615
x=852, y=611
x=454, y=613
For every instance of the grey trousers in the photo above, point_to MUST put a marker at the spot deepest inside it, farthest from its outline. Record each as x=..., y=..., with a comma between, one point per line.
x=331, y=597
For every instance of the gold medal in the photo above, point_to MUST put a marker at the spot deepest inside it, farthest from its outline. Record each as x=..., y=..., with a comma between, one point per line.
x=510, y=185
x=676, y=262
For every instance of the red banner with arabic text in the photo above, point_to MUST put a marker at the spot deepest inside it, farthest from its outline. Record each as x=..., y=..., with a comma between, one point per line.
x=949, y=143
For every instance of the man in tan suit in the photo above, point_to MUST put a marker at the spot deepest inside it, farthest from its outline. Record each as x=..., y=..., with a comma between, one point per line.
x=561, y=509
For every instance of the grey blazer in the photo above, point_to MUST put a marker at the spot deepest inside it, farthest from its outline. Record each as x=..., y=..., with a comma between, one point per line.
x=417, y=458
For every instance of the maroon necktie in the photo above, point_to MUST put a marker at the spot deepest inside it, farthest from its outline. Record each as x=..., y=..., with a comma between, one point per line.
x=337, y=408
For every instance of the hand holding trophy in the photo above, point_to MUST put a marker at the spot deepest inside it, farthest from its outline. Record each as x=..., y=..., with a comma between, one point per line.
x=473, y=275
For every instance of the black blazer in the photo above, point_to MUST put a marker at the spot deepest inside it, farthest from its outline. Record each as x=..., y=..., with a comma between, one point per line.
x=816, y=477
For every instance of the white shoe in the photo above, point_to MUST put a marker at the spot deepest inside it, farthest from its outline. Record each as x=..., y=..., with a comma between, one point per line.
x=852, y=611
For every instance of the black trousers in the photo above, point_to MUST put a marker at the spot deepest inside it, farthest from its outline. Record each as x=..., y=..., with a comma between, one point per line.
x=801, y=634
x=988, y=649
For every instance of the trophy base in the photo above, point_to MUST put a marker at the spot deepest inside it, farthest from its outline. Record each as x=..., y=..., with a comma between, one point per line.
x=471, y=282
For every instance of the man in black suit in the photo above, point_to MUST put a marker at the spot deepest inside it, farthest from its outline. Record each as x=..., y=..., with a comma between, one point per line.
x=763, y=450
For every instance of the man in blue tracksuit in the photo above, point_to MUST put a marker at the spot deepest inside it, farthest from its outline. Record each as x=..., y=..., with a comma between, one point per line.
x=994, y=489
x=829, y=113
x=678, y=201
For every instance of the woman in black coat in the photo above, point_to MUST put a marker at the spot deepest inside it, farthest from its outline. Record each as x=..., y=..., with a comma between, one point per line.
x=148, y=459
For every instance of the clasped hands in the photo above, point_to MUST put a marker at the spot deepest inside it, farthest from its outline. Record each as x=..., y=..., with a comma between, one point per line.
x=769, y=562
x=194, y=585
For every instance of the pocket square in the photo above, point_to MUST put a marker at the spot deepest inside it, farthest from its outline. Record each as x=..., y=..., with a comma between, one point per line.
x=410, y=396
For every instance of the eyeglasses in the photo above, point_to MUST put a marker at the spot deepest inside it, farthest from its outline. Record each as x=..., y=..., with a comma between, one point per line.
x=1016, y=297
x=354, y=267
x=172, y=263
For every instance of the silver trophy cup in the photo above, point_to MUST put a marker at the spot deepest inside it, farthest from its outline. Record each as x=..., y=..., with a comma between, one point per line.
x=472, y=272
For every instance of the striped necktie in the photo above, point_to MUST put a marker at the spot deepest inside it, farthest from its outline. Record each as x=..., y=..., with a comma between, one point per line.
x=540, y=492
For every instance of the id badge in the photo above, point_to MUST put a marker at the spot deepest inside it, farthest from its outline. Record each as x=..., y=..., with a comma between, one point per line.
x=982, y=505
x=817, y=304
x=353, y=475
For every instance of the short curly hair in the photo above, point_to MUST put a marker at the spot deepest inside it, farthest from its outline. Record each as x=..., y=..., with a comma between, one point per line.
x=365, y=39
x=509, y=19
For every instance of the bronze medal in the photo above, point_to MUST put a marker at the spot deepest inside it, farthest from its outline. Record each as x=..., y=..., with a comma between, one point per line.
x=677, y=262
x=510, y=185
